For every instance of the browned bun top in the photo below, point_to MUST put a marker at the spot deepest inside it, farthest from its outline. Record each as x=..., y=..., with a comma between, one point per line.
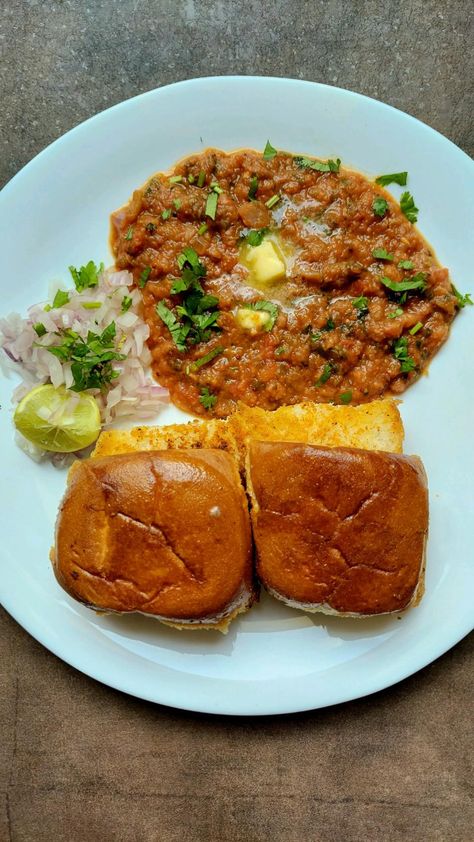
x=342, y=528
x=166, y=533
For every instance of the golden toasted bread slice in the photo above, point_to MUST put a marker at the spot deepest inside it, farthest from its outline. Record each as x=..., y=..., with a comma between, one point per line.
x=372, y=426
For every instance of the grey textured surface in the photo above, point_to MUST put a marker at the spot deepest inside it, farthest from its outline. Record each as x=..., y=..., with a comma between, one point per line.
x=80, y=761
x=64, y=61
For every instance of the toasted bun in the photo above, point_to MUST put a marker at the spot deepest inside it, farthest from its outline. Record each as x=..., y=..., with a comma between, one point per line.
x=373, y=426
x=165, y=534
x=341, y=531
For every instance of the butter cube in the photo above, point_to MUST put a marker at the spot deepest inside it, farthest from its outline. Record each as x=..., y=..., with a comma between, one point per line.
x=252, y=320
x=265, y=262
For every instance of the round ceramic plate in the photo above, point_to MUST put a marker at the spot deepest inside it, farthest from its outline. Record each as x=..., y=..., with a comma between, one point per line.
x=274, y=660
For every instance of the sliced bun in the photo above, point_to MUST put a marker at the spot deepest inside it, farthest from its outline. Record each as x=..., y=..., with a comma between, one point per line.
x=166, y=534
x=342, y=531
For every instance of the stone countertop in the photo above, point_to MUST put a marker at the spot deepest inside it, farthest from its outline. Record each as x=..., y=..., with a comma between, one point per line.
x=83, y=762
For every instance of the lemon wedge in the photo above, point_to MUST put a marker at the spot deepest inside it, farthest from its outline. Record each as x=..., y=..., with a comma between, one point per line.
x=58, y=420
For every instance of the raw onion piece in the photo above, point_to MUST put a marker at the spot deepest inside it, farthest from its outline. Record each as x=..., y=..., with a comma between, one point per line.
x=132, y=394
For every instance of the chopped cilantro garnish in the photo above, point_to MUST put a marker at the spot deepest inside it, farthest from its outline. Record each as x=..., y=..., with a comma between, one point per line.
x=197, y=312
x=126, y=303
x=327, y=371
x=319, y=166
x=150, y=227
x=269, y=307
x=211, y=204
x=176, y=179
x=60, y=299
x=255, y=238
x=282, y=349
x=207, y=399
x=400, y=352
x=392, y=178
x=39, y=329
x=380, y=206
x=91, y=359
x=92, y=305
x=408, y=207
x=269, y=152
x=418, y=281
x=330, y=324
x=206, y=358
x=406, y=264
x=346, y=397
x=381, y=254
x=253, y=187
x=361, y=304
x=201, y=179
x=177, y=203
x=395, y=313
x=178, y=331
x=144, y=276
x=166, y=213
x=129, y=234
x=273, y=200
x=415, y=328
x=462, y=300
x=202, y=229
x=86, y=276
x=315, y=336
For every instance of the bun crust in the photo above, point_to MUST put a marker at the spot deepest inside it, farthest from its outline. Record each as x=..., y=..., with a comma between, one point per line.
x=341, y=531
x=165, y=534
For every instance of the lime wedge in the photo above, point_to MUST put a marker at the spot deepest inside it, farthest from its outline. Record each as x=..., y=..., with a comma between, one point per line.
x=58, y=420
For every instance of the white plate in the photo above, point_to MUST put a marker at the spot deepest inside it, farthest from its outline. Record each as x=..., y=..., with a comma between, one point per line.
x=274, y=660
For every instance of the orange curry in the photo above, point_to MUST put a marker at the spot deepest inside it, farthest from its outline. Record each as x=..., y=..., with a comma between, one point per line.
x=351, y=303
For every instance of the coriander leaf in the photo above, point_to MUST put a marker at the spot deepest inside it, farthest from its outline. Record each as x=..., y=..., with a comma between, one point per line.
x=272, y=201
x=346, y=397
x=282, y=349
x=255, y=238
x=108, y=334
x=330, y=324
x=206, y=358
x=361, y=304
x=380, y=206
x=408, y=207
x=178, y=331
x=327, y=371
x=39, y=329
x=253, y=187
x=151, y=227
x=126, y=303
x=207, y=399
x=400, y=352
x=319, y=166
x=60, y=299
x=462, y=300
x=382, y=254
x=395, y=313
x=418, y=281
x=190, y=256
x=392, y=178
x=315, y=336
x=86, y=276
x=269, y=307
x=406, y=264
x=166, y=213
x=91, y=359
x=211, y=205
x=269, y=152
x=144, y=276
